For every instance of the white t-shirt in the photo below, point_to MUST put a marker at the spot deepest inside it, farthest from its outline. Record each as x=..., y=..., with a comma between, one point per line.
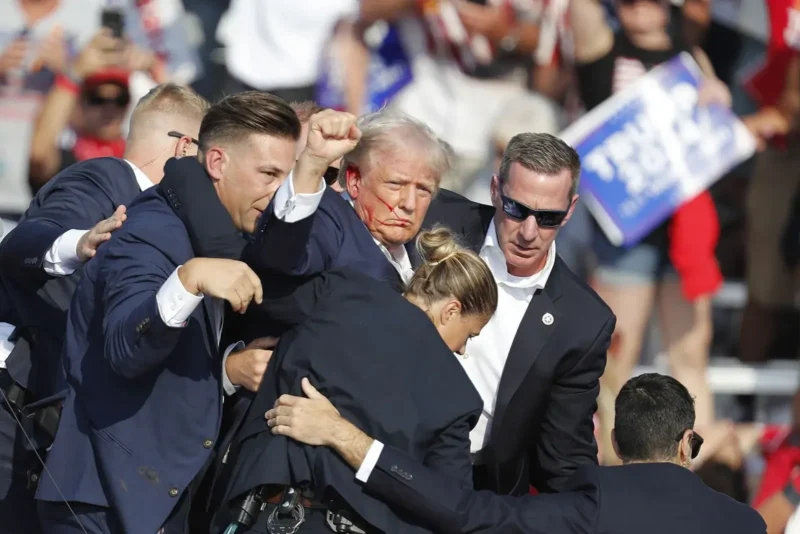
x=278, y=44
x=793, y=526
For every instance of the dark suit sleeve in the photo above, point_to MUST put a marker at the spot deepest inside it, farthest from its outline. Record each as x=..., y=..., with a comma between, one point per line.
x=77, y=201
x=134, y=269
x=303, y=248
x=450, y=508
x=449, y=452
x=7, y=314
x=567, y=439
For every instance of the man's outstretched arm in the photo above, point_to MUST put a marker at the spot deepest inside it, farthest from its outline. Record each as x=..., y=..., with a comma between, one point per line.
x=399, y=479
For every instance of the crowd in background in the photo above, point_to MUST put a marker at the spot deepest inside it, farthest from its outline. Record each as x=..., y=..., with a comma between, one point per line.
x=68, y=83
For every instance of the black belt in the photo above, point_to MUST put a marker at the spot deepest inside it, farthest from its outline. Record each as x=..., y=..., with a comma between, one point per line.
x=288, y=510
x=46, y=418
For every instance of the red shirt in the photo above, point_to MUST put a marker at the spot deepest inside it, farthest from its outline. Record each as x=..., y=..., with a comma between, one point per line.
x=780, y=447
x=767, y=84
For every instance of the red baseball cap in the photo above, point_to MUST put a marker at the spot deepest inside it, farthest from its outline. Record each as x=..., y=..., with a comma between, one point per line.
x=112, y=75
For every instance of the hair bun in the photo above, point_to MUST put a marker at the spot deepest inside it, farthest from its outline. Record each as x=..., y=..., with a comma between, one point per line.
x=436, y=245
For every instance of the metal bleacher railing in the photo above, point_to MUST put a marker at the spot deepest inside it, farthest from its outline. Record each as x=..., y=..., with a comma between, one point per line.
x=729, y=376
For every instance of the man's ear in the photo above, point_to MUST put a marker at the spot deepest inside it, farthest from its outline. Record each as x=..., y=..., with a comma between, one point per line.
x=494, y=190
x=353, y=181
x=571, y=208
x=215, y=161
x=184, y=147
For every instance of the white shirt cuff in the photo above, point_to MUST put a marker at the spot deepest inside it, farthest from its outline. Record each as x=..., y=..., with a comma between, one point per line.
x=175, y=304
x=370, y=461
x=229, y=387
x=291, y=207
x=62, y=258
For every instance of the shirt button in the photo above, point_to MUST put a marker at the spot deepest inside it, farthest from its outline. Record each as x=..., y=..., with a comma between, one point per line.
x=208, y=443
x=173, y=492
x=180, y=297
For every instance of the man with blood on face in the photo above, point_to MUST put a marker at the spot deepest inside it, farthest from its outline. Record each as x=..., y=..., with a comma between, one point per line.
x=388, y=182
x=391, y=178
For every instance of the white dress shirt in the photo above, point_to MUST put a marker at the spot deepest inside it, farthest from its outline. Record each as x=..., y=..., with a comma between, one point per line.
x=486, y=355
x=62, y=258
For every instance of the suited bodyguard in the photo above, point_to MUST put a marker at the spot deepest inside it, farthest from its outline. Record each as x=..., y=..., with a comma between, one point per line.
x=41, y=263
x=538, y=362
x=653, y=491
x=384, y=359
x=146, y=376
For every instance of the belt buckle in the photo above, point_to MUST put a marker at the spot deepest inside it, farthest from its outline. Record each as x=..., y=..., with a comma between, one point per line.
x=338, y=523
x=288, y=506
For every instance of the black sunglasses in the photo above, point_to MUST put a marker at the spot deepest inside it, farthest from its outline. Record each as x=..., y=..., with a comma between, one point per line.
x=122, y=100
x=331, y=175
x=544, y=218
x=178, y=135
x=695, y=442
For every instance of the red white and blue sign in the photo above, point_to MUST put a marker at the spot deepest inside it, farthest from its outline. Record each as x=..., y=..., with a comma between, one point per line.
x=650, y=148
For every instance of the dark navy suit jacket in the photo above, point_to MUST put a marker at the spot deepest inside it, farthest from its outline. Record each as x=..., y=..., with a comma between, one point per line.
x=77, y=198
x=334, y=236
x=657, y=498
x=144, y=402
x=384, y=366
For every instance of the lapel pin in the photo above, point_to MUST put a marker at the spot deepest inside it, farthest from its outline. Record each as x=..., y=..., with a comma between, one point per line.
x=547, y=319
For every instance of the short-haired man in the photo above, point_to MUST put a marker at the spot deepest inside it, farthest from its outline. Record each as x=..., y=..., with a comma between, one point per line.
x=538, y=361
x=653, y=491
x=390, y=179
x=146, y=377
x=41, y=259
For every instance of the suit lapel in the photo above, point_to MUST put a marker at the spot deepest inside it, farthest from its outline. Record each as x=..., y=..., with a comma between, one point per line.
x=538, y=325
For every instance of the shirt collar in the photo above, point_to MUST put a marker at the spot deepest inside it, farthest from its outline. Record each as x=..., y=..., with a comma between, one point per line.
x=141, y=178
x=493, y=255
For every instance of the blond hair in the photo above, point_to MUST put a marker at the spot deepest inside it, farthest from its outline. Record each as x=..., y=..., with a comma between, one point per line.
x=452, y=271
x=168, y=101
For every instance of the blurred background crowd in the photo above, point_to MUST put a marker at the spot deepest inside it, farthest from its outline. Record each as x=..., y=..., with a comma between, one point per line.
x=479, y=72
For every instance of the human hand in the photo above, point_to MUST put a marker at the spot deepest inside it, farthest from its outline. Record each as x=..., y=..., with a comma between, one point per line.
x=99, y=234
x=52, y=52
x=102, y=52
x=313, y=420
x=766, y=124
x=137, y=59
x=246, y=367
x=714, y=91
x=331, y=135
x=13, y=55
x=229, y=280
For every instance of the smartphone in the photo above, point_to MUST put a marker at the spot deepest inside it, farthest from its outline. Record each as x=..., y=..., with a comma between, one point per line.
x=114, y=20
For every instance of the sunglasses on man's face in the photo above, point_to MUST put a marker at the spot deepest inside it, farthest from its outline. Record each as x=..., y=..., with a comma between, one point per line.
x=122, y=100
x=178, y=135
x=544, y=218
x=695, y=442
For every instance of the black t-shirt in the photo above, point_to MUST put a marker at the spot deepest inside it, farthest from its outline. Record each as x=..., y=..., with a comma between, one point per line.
x=623, y=65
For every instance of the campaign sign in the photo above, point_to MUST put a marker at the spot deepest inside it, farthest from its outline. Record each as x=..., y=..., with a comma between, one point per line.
x=389, y=70
x=650, y=148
